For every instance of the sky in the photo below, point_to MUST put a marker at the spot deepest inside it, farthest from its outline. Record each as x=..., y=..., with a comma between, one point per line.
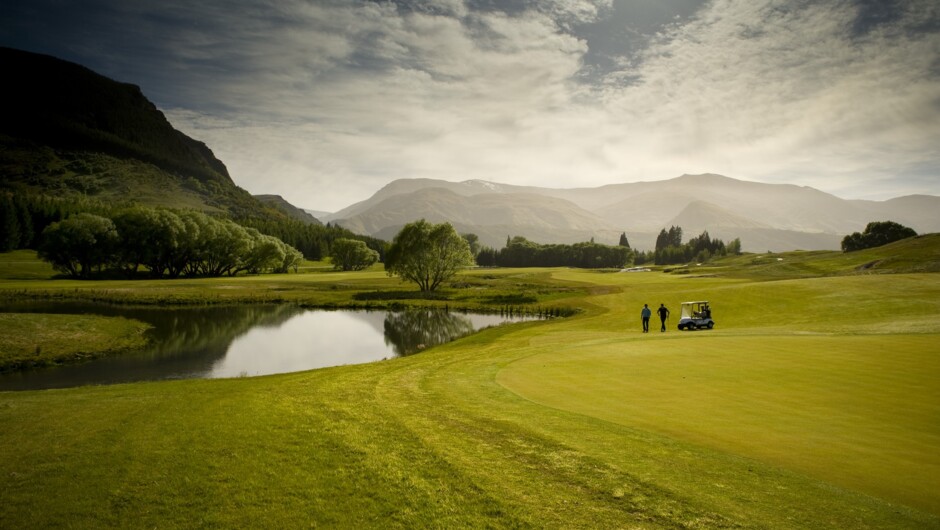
x=325, y=102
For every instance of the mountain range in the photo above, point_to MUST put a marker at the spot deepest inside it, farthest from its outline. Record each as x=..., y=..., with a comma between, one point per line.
x=773, y=217
x=70, y=132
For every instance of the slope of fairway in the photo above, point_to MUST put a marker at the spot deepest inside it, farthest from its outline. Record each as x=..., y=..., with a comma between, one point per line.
x=794, y=413
x=807, y=375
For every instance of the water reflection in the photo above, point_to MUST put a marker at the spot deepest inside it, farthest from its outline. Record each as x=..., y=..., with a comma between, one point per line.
x=248, y=340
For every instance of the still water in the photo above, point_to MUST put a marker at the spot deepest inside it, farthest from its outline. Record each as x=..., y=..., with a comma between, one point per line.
x=243, y=341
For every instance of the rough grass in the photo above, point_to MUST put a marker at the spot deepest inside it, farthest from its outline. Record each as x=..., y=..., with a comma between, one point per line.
x=793, y=413
x=32, y=340
x=24, y=265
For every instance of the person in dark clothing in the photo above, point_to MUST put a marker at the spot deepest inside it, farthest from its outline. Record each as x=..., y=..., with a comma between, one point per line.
x=663, y=315
x=645, y=315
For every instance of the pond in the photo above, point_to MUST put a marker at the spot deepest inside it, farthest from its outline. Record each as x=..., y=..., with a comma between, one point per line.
x=249, y=340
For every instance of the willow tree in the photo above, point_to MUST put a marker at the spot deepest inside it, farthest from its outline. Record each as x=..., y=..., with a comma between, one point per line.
x=427, y=254
x=352, y=255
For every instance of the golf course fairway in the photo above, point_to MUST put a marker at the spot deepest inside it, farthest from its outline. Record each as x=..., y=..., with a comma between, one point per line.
x=814, y=403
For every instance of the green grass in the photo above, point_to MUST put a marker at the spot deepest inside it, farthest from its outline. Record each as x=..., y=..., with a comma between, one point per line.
x=23, y=275
x=24, y=265
x=813, y=404
x=32, y=340
x=858, y=412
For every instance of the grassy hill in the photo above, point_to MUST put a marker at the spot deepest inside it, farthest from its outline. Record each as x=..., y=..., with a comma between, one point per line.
x=913, y=255
x=812, y=404
x=277, y=202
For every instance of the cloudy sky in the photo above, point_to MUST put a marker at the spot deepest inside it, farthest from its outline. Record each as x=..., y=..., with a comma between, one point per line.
x=325, y=102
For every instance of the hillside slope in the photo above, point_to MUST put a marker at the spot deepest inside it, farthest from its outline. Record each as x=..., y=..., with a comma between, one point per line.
x=279, y=203
x=491, y=216
x=67, y=130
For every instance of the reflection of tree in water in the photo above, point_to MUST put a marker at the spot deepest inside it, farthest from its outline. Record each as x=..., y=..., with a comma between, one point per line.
x=416, y=329
x=185, y=342
x=212, y=328
x=180, y=332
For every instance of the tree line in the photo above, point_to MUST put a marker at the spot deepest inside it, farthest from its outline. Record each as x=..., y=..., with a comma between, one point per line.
x=670, y=250
x=164, y=243
x=876, y=234
x=520, y=252
x=314, y=241
x=24, y=216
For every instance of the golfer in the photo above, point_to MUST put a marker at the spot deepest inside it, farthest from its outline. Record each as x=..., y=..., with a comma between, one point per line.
x=645, y=315
x=663, y=315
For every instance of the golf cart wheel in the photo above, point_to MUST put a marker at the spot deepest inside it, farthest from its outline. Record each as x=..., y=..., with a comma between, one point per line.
x=711, y=325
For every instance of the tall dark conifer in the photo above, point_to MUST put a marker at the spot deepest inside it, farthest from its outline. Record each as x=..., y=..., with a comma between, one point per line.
x=9, y=224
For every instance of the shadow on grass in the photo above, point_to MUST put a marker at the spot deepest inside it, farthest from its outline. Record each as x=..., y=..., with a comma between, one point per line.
x=509, y=299
x=400, y=295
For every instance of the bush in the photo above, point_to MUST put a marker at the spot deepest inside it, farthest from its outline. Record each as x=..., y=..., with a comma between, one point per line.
x=876, y=234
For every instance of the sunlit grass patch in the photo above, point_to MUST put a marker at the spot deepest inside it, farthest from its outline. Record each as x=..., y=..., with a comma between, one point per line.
x=823, y=405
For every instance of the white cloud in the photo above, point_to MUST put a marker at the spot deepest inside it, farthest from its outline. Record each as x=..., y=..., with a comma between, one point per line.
x=412, y=95
x=346, y=97
x=772, y=93
x=568, y=12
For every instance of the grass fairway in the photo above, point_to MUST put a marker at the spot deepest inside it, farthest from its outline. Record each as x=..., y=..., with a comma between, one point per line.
x=813, y=404
x=859, y=412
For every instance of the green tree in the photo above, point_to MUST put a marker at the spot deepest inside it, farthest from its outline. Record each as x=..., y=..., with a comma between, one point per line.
x=9, y=224
x=265, y=253
x=624, y=242
x=225, y=247
x=876, y=234
x=163, y=232
x=292, y=259
x=487, y=257
x=474, y=241
x=427, y=254
x=137, y=228
x=352, y=255
x=79, y=244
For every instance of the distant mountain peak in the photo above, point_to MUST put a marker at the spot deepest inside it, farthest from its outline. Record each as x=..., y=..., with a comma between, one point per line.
x=764, y=216
x=483, y=184
x=702, y=215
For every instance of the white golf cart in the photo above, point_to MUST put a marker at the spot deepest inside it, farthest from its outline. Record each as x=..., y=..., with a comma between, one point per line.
x=696, y=315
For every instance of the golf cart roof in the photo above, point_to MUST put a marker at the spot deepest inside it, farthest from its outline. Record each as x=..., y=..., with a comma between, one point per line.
x=694, y=309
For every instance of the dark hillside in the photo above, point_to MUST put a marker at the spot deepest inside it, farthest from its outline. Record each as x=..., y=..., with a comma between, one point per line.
x=66, y=106
x=68, y=132
x=74, y=141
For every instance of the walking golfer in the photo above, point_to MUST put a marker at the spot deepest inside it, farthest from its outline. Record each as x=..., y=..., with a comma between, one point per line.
x=663, y=315
x=645, y=315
